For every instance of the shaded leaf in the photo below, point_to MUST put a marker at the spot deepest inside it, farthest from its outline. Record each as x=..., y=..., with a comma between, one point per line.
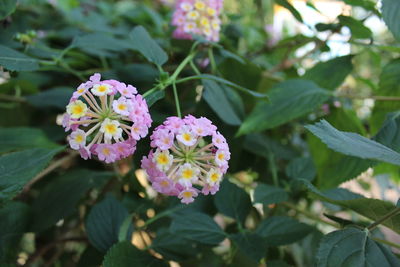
x=14, y=221
x=104, y=221
x=100, y=44
x=262, y=145
x=124, y=254
x=198, y=227
x=373, y=209
x=142, y=42
x=268, y=194
x=23, y=138
x=289, y=7
x=280, y=230
x=301, y=168
x=288, y=100
x=391, y=14
x=323, y=75
x=153, y=97
x=7, y=7
x=60, y=197
x=353, y=247
x=353, y=144
x=357, y=28
x=173, y=247
x=233, y=201
x=217, y=98
x=251, y=244
x=57, y=97
x=17, y=168
x=16, y=61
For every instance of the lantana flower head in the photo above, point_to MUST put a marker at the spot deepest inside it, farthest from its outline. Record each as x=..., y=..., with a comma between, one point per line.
x=189, y=156
x=106, y=119
x=197, y=17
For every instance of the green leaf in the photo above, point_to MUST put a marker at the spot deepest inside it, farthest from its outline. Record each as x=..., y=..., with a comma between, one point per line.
x=251, y=244
x=301, y=168
x=23, y=138
x=104, y=221
x=124, y=254
x=17, y=168
x=357, y=28
x=16, y=61
x=142, y=42
x=289, y=7
x=389, y=134
x=288, y=100
x=153, y=97
x=389, y=85
x=263, y=146
x=217, y=98
x=233, y=201
x=280, y=230
x=323, y=75
x=353, y=247
x=100, y=44
x=57, y=97
x=373, y=209
x=268, y=194
x=391, y=14
x=59, y=199
x=14, y=221
x=7, y=7
x=198, y=227
x=174, y=247
x=231, y=84
x=353, y=144
x=366, y=4
x=327, y=161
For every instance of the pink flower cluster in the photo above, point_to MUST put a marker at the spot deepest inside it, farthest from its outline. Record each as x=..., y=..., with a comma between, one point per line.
x=106, y=118
x=197, y=17
x=188, y=154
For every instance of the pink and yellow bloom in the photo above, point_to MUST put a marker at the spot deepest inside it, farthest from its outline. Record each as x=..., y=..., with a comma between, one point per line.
x=106, y=118
x=189, y=157
x=197, y=17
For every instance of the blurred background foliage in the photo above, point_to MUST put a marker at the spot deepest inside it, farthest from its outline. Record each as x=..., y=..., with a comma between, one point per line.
x=290, y=198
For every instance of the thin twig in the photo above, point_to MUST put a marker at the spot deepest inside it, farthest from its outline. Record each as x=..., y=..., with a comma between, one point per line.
x=49, y=169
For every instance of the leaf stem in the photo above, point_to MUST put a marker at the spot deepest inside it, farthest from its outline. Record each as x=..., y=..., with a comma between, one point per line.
x=161, y=215
x=49, y=169
x=178, y=107
x=272, y=165
x=384, y=218
x=386, y=242
x=309, y=214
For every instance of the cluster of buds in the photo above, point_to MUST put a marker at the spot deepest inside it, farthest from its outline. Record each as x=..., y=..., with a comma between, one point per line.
x=197, y=17
x=188, y=154
x=106, y=118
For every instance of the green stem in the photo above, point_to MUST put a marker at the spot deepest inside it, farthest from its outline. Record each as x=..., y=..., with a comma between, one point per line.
x=12, y=98
x=195, y=69
x=384, y=218
x=182, y=66
x=309, y=214
x=161, y=215
x=272, y=165
x=212, y=60
x=178, y=107
x=150, y=91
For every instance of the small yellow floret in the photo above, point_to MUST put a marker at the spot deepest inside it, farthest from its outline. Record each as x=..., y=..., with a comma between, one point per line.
x=214, y=177
x=111, y=128
x=77, y=109
x=187, y=174
x=79, y=138
x=199, y=5
x=187, y=194
x=187, y=137
x=162, y=159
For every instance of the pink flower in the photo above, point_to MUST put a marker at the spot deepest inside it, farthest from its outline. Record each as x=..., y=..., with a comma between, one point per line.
x=197, y=17
x=110, y=115
x=187, y=196
x=185, y=159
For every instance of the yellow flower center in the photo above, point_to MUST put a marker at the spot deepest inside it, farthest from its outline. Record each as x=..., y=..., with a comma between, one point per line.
x=79, y=138
x=122, y=107
x=199, y=5
x=214, y=177
x=106, y=151
x=102, y=88
x=187, y=174
x=77, y=109
x=164, y=183
x=187, y=194
x=162, y=159
x=221, y=156
x=187, y=137
x=111, y=128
